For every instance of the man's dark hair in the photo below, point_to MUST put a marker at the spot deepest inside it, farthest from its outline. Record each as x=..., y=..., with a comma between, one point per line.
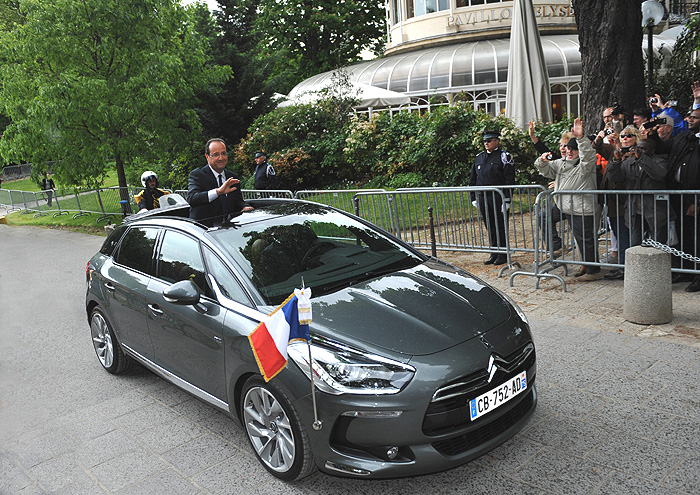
x=643, y=112
x=206, y=146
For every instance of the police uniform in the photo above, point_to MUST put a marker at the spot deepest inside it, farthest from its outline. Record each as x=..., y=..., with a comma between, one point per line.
x=494, y=168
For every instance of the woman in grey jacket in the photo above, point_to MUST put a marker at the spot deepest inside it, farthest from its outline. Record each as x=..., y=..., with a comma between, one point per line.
x=576, y=172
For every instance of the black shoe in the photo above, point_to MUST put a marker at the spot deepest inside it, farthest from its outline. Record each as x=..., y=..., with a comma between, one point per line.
x=501, y=260
x=615, y=275
x=491, y=259
x=694, y=286
x=681, y=277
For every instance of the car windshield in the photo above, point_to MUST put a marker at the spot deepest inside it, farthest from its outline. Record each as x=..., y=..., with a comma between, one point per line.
x=324, y=250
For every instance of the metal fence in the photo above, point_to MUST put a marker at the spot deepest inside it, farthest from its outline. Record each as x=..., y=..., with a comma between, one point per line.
x=14, y=172
x=447, y=218
x=619, y=220
x=107, y=203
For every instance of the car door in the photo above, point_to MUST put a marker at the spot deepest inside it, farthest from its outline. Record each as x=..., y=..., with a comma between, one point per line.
x=187, y=339
x=125, y=280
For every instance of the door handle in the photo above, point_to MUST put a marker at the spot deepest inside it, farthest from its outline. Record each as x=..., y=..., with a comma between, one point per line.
x=109, y=287
x=155, y=309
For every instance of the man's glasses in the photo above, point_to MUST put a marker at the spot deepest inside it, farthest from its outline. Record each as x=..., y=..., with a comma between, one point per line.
x=627, y=136
x=488, y=140
x=217, y=155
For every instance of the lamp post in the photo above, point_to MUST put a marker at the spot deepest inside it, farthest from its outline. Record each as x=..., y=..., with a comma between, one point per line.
x=652, y=13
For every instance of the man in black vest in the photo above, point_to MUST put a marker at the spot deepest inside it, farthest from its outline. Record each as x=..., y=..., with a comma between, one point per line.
x=494, y=167
x=265, y=177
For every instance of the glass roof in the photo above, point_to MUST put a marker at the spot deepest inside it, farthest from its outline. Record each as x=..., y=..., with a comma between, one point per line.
x=462, y=67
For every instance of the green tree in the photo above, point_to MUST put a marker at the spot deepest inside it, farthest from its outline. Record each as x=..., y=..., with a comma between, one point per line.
x=89, y=82
x=321, y=35
x=684, y=67
x=227, y=111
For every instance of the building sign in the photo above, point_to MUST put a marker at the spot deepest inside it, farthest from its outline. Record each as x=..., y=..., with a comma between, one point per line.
x=506, y=13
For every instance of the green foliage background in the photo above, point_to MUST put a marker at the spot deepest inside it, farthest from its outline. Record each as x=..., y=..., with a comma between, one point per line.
x=311, y=147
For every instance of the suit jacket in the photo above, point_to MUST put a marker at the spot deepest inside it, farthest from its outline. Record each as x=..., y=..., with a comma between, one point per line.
x=201, y=181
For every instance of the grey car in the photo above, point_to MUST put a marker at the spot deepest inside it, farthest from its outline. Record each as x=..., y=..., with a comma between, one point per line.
x=418, y=366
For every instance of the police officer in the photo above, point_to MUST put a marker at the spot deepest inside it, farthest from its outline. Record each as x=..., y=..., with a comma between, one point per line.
x=494, y=167
x=265, y=177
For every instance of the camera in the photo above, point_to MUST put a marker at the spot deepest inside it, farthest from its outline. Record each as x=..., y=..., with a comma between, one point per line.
x=609, y=131
x=549, y=157
x=625, y=149
x=653, y=123
x=673, y=103
x=653, y=100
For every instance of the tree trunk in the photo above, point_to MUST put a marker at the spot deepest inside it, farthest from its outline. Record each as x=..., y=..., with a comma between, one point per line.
x=612, y=67
x=123, y=190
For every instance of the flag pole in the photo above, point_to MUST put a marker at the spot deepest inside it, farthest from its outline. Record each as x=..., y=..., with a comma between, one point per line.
x=318, y=424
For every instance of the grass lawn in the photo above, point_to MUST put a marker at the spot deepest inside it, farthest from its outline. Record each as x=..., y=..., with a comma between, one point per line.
x=108, y=202
x=29, y=185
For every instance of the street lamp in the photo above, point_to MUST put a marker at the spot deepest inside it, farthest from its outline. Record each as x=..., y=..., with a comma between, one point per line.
x=652, y=13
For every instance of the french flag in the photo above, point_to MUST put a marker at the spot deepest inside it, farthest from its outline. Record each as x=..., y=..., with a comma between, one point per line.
x=270, y=338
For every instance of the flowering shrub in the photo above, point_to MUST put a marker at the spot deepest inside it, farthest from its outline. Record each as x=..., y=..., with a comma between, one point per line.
x=313, y=146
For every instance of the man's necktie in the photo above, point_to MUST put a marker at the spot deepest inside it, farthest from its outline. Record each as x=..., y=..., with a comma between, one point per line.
x=223, y=197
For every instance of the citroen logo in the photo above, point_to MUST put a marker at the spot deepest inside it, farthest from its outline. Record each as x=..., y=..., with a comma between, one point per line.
x=491, y=369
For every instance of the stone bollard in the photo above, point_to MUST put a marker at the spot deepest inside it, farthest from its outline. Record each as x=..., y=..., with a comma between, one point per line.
x=647, y=286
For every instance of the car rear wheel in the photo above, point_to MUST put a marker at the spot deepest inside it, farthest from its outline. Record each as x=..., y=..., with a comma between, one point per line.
x=275, y=431
x=107, y=348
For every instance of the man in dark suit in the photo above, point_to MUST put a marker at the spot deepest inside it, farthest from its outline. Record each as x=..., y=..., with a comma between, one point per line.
x=214, y=191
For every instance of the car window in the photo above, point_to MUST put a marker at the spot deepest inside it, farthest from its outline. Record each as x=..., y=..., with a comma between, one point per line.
x=324, y=250
x=180, y=259
x=227, y=282
x=112, y=240
x=136, y=249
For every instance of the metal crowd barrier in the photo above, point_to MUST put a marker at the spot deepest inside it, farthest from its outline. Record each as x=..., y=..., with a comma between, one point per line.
x=342, y=199
x=107, y=202
x=445, y=218
x=656, y=219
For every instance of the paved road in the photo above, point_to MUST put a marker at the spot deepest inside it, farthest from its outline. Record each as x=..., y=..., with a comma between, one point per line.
x=619, y=408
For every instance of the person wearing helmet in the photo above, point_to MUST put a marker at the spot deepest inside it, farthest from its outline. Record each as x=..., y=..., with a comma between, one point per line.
x=148, y=198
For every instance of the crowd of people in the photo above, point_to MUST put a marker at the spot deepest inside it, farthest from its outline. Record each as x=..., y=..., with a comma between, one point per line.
x=656, y=149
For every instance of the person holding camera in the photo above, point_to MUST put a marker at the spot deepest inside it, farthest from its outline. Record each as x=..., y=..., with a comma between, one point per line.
x=576, y=171
x=636, y=167
x=684, y=175
x=605, y=144
x=667, y=109
x=551, y=210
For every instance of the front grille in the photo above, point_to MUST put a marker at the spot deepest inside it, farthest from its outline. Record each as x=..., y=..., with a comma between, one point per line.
x=479, y=436
x=448, y=410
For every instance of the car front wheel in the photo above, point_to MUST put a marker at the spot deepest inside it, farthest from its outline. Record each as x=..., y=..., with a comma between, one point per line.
x=107, y=348
x=275, y=431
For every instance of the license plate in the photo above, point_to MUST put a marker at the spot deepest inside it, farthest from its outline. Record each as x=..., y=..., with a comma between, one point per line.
x=498, y=396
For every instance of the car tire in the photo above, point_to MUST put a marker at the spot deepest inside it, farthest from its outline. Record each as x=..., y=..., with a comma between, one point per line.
x=275, y=431
x=107, y=348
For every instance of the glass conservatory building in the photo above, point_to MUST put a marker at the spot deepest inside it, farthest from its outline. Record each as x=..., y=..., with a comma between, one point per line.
x=447, y=50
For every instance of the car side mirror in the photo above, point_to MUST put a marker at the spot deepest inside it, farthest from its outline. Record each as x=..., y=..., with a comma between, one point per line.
x=184, y=292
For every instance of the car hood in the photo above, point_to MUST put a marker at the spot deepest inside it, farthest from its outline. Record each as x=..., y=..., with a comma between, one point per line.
x=416, y=311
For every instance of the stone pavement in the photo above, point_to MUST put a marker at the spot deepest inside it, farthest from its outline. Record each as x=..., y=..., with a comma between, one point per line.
x=618, y=412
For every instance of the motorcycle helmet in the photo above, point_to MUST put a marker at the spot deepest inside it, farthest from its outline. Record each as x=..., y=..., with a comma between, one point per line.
x=148, y=174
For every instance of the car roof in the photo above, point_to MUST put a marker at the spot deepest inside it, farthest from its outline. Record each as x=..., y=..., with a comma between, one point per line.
x=263, y=209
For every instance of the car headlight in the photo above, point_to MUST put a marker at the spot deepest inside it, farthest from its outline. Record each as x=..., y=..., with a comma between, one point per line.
x=339, y=369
